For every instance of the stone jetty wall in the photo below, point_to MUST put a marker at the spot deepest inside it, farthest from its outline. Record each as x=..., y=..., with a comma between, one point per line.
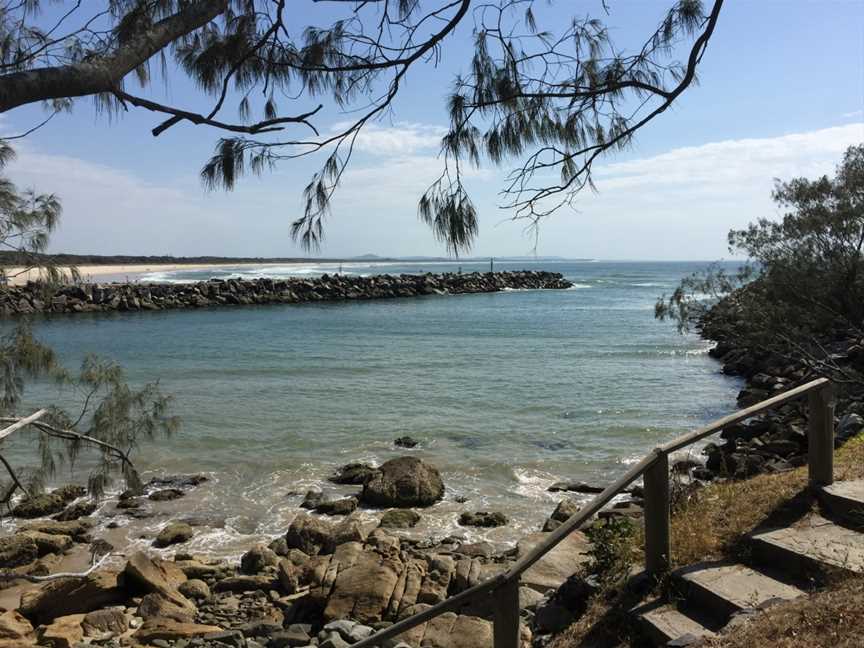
x=83, y=298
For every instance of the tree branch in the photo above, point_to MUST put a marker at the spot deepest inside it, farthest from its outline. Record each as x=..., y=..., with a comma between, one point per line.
x=266, y=126
x=104, y=73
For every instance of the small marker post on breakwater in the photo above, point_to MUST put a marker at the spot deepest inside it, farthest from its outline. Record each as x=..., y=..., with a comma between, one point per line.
x=491, y=265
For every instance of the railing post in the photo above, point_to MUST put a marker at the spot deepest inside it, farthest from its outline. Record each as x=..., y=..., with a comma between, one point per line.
x=657, y=545
x=820, y=442
x=506, y=624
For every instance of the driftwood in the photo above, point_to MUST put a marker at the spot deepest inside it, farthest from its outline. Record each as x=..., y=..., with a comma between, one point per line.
x=12, y=576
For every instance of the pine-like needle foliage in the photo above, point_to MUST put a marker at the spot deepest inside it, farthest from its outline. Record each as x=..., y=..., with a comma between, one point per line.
x=546, y=99
x=111, y=419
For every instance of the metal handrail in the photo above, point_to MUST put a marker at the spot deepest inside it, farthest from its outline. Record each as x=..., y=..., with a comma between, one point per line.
x=654, y=468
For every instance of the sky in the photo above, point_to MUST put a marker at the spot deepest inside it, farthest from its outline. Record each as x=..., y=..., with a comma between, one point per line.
x=781, y=94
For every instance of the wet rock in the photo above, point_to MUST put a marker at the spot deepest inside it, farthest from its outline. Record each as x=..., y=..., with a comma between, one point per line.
x=39, y=506
x=16, y=550
x=476, y=549
x=48, y=543
x=404, y=482
x=78, y=530
x=70, y=492
x=574, y=487
x=337, y=507
x=400, y=519
x=405, y=442
x=279, y=546
x=176, y=481
x=75, y=511
x=353, y=473
x=173, y=533
x=312, y=499
x=166, y=495
x=483, y=519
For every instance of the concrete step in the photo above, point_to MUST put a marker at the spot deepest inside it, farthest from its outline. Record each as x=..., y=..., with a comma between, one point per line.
x=662, y=622
x=845, y=502
x=720, y=589
x=811, y=549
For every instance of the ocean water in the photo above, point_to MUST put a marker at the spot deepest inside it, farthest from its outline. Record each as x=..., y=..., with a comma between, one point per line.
x=506, y=392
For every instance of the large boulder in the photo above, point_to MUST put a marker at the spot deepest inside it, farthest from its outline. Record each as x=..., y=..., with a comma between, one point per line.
x=48, y=542
x=310, y=535
x=173, y=533
x=63, y=632
x=400, y=519
x=18, y=549
x=256, y=559
x=404, y=482
x=558, y=565
x=76, y=510
x=103, y=623
x=67, y=596
x=15, y=629
x=39, y=506
x=146, y=575
x=363, y=587
x=78, y=530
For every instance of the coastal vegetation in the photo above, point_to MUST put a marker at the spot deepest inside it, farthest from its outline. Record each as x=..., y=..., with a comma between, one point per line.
x=109, y=417
x=589, y=97
x=800, y=294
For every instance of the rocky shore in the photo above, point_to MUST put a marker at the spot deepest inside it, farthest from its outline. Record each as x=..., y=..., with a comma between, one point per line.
x=777, y=440
x=330, y=579
x=87, y=298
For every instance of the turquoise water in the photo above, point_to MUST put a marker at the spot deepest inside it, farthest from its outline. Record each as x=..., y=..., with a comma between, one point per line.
x=506, y=392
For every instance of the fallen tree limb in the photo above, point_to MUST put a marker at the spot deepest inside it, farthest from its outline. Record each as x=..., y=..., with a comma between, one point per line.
x=11, y=576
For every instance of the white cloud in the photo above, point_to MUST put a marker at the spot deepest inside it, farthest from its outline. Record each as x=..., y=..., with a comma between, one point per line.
x=678, y=204
x=399, y=139
x=853, y=115
x=723, y=166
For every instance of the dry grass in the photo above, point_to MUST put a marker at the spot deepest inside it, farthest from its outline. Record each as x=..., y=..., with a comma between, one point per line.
x=711, y=526
x=832, y=618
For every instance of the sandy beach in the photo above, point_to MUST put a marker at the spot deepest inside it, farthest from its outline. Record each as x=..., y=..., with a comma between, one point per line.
x=131, y=272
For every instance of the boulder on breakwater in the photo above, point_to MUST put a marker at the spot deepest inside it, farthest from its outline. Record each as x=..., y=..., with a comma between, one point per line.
x=83, y=298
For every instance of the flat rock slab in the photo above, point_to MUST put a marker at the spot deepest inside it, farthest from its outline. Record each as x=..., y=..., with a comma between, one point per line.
x=815, y=543
x=663, y=623
x=556, y=566
x=846, y=500
x=732, y=587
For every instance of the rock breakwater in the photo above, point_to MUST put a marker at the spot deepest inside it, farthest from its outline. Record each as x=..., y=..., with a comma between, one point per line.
x=83, y=298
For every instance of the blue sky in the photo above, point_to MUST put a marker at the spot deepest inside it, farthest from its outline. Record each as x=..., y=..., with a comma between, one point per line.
x=781, y=94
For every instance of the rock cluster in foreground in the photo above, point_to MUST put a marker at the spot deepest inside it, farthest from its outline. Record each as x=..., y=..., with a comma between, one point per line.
x=320, y=584
x=84, y=298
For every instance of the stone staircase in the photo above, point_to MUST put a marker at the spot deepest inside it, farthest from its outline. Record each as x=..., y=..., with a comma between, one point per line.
x=784, y=564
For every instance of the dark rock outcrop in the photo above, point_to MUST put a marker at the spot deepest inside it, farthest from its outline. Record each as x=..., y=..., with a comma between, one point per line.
x=404, y=482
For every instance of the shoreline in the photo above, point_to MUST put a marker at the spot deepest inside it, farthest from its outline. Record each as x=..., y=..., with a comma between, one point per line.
x=20, y=277
x=89, y=298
